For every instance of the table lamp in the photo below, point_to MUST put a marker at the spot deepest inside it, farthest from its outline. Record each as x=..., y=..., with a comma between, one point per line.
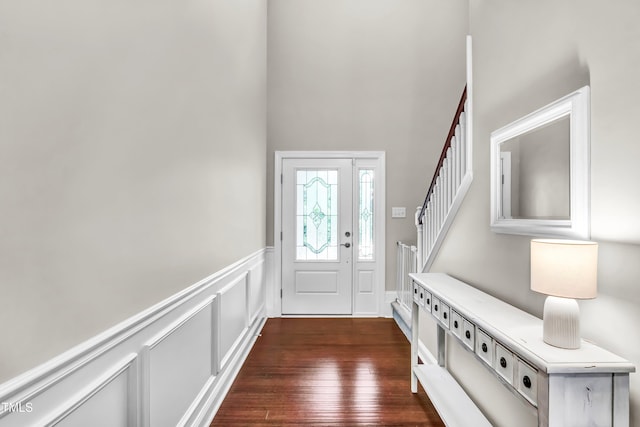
x=563, y=270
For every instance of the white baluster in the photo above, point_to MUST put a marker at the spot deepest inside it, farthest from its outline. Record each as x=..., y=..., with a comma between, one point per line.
x=454, y=163
x=434, y=218
x=447, y=177
x=432, y=222
x=419, y=241
x=428, y=233
x=398, y=281
x=450, y=168
x=436, y=202
x=439, y=198
x=443, y=201
x=463, y=146
x=445, y=188
x=458, y=174
x=425, y=239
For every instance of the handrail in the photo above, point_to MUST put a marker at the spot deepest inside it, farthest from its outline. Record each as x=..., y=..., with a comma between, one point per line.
x=443, y=155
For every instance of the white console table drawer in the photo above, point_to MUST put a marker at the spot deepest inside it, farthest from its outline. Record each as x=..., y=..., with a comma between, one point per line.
x=484, y=347
x=416, y=293
x=527, y=381
x=504, y=363
x=445, y=315
x=469, y=334
x=421, y=293
x=456, y=324
x=426, y=301
x=436, y=307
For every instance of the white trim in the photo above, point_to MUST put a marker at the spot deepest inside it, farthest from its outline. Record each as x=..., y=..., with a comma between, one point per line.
x=275, y=304
x=330, y=154
x=192, y=412
x=88, y=368
x=451, y=214
x=158, y=339
x=423, y=352
x=225, y=358
x=576, y=106
x=252, y=278
x=84, y=353
x=234, y=283
x=225, y=379
x=272, y=298
x=467, y=179
x=91, y=390
x=505, y=182
x=469, y=108
x=389, y=297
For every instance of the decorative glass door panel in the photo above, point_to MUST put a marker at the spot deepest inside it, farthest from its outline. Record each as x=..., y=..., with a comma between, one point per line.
x=317, y=207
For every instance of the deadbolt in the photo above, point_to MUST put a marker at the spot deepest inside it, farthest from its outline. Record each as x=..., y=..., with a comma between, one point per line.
x=348, y=234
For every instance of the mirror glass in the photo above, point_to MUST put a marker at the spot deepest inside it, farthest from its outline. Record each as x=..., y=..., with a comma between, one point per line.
x=535, y=173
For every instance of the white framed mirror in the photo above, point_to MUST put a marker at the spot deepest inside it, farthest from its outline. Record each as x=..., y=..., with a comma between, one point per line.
x=540, y=169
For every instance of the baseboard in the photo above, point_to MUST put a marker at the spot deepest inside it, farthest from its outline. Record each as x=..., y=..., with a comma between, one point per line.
x=389, y=297
x=169, y=365
x=213, y=400
x=402, y=317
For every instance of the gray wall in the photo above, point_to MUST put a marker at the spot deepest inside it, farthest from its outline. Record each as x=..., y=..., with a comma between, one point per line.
x=133, y=143
x=367, y=75
x=527, y=54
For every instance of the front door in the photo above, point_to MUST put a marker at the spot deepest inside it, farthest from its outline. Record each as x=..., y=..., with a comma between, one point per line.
x=317, y=236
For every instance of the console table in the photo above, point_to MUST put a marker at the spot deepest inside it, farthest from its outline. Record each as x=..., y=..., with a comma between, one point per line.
x=584, y=387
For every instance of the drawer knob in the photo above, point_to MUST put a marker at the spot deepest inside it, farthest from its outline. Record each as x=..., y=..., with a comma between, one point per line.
x=468, y=335
x=526, y=381
x=503, y=362
x=455, y=324
x=484, y=347
x=444, y=315
x=435, y=307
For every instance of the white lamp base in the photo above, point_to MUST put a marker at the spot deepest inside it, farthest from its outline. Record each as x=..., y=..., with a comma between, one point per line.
x=561, y=322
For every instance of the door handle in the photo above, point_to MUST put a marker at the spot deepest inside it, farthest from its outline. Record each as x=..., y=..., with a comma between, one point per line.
x=346, y=245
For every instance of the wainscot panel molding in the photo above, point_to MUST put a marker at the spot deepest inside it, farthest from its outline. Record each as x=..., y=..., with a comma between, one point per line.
x=170, y=365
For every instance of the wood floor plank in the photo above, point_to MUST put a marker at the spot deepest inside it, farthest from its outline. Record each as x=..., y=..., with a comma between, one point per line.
x=328, y=372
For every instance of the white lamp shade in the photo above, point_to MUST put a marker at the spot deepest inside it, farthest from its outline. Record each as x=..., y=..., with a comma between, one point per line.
x=564, y=268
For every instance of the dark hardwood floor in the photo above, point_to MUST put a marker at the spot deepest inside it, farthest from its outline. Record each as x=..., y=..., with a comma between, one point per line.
x=327, y=372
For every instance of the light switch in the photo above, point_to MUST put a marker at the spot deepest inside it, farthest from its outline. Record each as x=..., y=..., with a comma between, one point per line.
x=398, y=212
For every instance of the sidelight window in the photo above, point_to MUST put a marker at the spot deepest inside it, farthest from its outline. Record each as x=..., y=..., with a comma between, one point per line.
x=366, y=215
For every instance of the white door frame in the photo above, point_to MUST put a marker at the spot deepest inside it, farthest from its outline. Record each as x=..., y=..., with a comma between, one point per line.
x=274, y=303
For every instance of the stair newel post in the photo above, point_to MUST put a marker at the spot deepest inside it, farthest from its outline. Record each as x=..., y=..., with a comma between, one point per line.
x=420, y=242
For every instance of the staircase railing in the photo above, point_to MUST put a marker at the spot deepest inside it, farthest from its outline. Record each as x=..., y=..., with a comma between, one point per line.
x=448, y=187
x=446, y=191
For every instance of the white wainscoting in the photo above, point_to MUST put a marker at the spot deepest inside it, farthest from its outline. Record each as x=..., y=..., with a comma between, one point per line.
x=170, y=365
